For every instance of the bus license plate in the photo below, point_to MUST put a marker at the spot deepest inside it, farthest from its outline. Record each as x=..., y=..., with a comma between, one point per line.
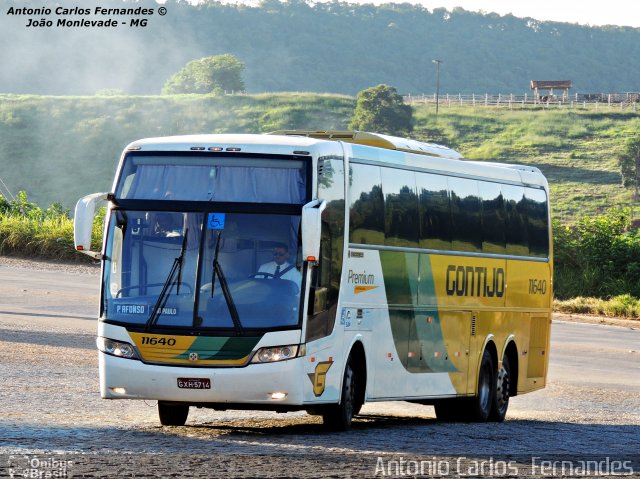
x=194, y=383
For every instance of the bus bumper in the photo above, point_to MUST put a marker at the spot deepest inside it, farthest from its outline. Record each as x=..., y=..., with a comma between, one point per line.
x=269, y=384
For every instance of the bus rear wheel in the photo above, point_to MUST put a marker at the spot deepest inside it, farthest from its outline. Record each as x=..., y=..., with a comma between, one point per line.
x=338, y=417
x=486, y=392
x=172, y=414
x=477, y=408
x=501, y=398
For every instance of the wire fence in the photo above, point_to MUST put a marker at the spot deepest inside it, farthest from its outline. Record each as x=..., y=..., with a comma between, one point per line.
x=622, y=101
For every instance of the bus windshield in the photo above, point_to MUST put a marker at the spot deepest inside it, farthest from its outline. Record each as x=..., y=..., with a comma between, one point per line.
x=214, y=270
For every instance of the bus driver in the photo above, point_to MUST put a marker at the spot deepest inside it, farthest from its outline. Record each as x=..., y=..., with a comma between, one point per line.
x=280, y=268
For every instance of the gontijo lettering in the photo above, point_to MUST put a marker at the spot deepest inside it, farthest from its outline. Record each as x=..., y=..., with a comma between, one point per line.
x=475, y=281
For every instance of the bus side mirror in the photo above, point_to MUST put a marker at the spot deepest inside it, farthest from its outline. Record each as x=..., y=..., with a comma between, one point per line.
x=311, y=228
x=83, y=223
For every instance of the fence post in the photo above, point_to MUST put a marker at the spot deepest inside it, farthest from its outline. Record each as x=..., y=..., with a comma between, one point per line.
x=486, y=99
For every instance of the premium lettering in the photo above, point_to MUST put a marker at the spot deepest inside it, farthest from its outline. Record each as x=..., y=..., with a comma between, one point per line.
x=360, y=278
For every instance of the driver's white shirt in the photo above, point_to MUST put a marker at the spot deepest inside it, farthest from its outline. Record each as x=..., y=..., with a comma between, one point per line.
x=292, y=275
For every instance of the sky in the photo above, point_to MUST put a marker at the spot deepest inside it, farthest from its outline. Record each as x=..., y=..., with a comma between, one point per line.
x=584, y=12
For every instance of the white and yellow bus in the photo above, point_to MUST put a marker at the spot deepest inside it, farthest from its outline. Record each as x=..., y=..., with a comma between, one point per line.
x=316, y=270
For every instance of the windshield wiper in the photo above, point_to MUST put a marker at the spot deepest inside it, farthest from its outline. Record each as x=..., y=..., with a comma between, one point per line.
x=226, y=292
x=168, y=284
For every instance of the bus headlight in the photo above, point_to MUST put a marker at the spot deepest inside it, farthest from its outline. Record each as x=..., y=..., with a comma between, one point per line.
x=278, y=353
x=117, y=348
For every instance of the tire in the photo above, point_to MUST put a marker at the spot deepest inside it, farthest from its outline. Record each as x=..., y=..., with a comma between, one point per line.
x=339, y=417
x=452, y=410
x=483, y=401
x=501, y=397
x=172, y=414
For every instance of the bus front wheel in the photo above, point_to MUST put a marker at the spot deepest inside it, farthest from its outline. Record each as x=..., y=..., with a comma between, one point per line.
x=172, y=414
x=339, y=417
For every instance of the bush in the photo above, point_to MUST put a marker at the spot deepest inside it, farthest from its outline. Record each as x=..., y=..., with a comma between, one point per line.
x=599, y=257
x=29, y=231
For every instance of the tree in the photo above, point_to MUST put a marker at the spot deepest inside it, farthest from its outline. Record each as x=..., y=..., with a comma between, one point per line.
x=381, y=109
x=629, y=162
x=217, y=74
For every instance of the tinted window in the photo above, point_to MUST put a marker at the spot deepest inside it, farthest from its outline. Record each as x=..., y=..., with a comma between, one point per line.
x=465, y=215
x=327, y=279
x=366, y=205
x=434, y=211
x=400, y=208
x=493, y=218
x=537, y=222
x=516, y=215
x=212, y=178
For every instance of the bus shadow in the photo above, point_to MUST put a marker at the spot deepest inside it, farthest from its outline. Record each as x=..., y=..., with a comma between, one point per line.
x=309, y=425
x=423, y=435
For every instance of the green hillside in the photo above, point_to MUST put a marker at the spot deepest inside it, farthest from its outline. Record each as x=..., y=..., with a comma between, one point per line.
x=577, y=150
x=61, y=148
x=314, y=46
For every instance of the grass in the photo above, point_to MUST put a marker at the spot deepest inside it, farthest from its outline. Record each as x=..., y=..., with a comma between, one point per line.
x=622, y=306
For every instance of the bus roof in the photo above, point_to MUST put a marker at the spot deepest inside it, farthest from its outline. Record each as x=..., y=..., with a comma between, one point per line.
x=303, y=142
x=377, y=140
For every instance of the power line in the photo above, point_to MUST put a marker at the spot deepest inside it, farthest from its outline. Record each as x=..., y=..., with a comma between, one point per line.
x=13, y=198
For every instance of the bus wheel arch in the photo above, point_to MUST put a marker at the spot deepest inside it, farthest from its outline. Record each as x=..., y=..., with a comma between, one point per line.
x=511, y=353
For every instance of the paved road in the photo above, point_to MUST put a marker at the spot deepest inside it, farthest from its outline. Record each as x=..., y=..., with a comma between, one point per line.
x=53, y=421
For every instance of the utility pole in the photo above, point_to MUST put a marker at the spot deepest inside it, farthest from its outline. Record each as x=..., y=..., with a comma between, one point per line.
x=437, y=62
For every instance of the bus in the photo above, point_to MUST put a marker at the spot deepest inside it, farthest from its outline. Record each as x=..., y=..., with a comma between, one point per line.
x=317, y=271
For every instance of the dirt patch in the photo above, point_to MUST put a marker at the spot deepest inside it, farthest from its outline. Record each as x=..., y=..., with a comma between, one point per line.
x=593, y=319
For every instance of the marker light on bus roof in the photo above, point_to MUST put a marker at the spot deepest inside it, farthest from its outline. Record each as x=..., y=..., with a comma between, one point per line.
x=197, y=148
x=233, y=149
x=216, y=148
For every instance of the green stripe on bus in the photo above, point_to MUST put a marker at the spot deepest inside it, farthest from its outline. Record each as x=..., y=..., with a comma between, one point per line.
x=417, y=333
x=221, y=348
